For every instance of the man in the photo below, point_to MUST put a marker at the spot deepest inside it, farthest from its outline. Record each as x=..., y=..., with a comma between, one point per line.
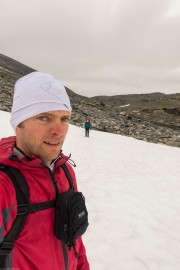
x=87, y=127
x=40, y=116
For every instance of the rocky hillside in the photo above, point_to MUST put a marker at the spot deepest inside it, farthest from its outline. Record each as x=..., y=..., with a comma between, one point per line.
x=150, y=117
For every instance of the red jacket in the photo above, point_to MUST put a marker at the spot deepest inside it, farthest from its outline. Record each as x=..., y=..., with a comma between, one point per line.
x=37, y=247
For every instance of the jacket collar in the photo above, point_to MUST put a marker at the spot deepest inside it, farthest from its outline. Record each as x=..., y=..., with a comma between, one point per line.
x=10, y=153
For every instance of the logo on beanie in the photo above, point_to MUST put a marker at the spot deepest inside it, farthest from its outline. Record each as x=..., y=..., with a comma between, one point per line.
x=52, y=88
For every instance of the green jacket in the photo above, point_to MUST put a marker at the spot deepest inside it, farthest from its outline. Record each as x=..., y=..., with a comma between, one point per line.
x=87, y=125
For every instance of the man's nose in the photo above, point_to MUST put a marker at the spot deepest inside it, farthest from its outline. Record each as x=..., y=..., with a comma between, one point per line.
x=56, y=127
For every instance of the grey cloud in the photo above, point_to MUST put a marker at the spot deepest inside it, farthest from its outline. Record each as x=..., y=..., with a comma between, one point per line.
x=94, y=46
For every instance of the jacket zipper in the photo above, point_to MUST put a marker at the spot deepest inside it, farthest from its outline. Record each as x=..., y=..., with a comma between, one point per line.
x=65, y=255
x=62, y=243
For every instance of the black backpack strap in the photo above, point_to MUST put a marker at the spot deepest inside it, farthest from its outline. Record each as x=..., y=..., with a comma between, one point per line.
x=68, y=176
x=22, y=195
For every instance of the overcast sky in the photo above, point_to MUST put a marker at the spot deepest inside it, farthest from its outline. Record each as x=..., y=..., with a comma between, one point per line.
x=97, y=47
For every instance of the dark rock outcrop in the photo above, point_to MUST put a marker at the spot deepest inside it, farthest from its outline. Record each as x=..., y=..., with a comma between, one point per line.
x=151, y=117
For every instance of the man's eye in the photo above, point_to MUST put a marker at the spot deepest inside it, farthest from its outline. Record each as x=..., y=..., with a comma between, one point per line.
x=66, y=119
x=42, y=118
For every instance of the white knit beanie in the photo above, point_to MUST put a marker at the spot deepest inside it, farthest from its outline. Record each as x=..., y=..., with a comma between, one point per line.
x=36, y=93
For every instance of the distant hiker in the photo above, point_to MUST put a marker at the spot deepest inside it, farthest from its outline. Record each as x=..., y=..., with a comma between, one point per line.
x=37, y=183
x=87, y=126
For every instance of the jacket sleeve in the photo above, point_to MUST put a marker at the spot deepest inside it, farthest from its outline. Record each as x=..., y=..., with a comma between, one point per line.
x=83, y=263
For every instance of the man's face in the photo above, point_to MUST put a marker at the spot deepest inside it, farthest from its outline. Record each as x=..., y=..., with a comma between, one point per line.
x=43, y=135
